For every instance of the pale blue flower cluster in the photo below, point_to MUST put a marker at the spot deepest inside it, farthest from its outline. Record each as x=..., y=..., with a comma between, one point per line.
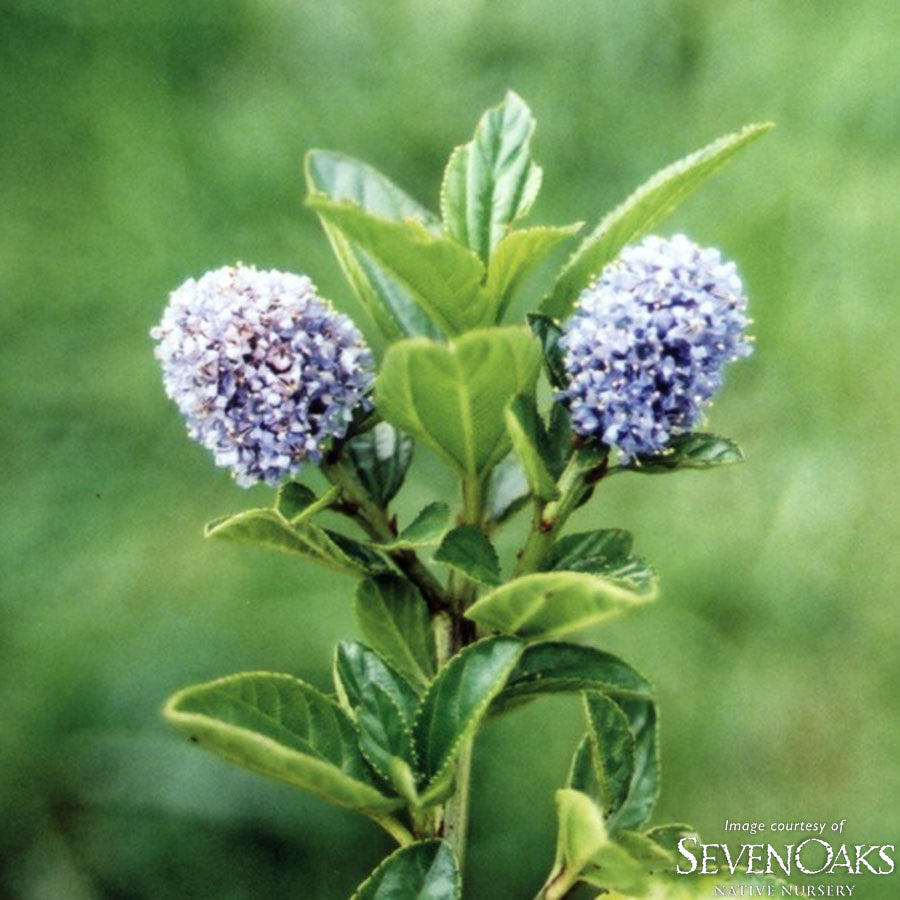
x=647, y=343
x=264, y=370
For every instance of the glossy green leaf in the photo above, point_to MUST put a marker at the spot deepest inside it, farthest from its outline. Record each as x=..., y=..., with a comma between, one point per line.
x=469, y=551
x=644, y=788
x=443, y=278
x=547, y=605
x=278, y=726
x=647, y=206
x=548, y=332
x=610, y=752
x=451, y=397
x=342, y=178
x=690, y=451
x=507, y=491
x=423, y=871
x=293, y=499
x=606, y=543
x=560, y=439
x=531, y=445
x=556, y=667
x=604, y=553
x=427, y=528
x=268, y=528
x=356, y=666
x=380, y=458
x=394, y=620
x=516, y=256
x=491, y=181
x=458, y=699
x=385, y=734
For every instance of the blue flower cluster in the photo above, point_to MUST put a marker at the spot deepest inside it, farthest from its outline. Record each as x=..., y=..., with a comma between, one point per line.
x=263, y=369
x=647, y=343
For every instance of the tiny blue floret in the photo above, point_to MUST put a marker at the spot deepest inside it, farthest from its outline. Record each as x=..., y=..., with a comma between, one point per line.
x=647, y=343
x=264, y=371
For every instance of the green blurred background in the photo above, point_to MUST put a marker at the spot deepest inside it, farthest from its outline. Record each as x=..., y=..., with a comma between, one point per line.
x=143, y=143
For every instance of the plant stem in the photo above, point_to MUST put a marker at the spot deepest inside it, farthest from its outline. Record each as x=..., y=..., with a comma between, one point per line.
x=375, y=522
x=582, y=471
x=394, y=828
x=456, y=814
x=559, y=885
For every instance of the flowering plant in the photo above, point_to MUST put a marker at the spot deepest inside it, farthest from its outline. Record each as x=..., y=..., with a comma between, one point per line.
x=632, y=338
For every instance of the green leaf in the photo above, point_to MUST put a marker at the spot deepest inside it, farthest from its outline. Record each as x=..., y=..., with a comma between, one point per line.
x=607, y=543
x=604, y=553
x=268, y=528
x=611, y=752
x=560, y=439
x=457, y=701
x=385, y=733
x=278, y=726
x=648, y=205
x=292, y=499
x=423, y=871
x=394, y=619
x=356, y=666
x=451, y=397
x=644, y=849
x=667, y=836
x=342, y=178
x=548, y=332
x=557, y=667
x=530, y=442
x=689, y=451
x=581, y=831
x=507, y=491
x=547, y=605
x=491, y=181
x=380, y=458
x=615, y=869
x=443, y=278
x=467, y=550
x=644, y=788
x=516, y=256
x=427, y=528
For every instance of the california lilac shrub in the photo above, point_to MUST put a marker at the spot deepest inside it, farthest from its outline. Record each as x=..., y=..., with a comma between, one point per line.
x=632, y=338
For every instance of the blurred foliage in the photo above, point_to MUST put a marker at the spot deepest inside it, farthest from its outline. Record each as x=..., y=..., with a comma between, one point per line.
x=143, y=143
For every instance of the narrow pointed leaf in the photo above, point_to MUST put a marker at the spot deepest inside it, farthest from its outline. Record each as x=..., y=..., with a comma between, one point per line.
x=278, y=726
x=457, y=701
x=380, y=458
x=469, y=551
x=647, y=206
x=356, y=666
x=451, y=397
x=517, y=254
x=342, y=178
x=547, y=605
x=530, y=442
x=268, y=528
x=690, y=451
x=556, y=667
x=443, y=278
x=611, y=751
x=422, y=871
x=644, y=788
x=427, y=528
x=393, y=619
x=508, y=489
x=560, y=439
x=491, y=181
x=384, y=731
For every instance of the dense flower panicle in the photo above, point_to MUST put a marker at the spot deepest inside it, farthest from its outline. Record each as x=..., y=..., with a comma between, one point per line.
x=647, y=343
x=262, y=368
